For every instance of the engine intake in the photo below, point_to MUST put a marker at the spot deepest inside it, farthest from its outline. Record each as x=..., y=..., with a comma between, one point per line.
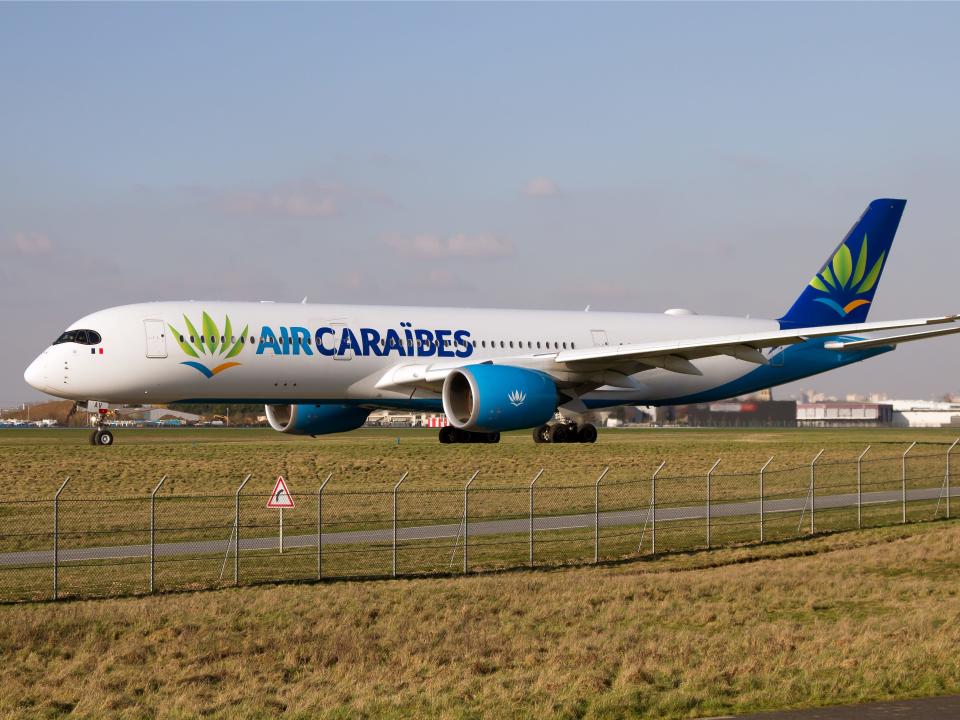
x=493, y=398
x=315, y=419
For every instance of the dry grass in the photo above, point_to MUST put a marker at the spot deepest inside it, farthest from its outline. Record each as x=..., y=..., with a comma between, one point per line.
x=214, y=460
x=841, y=618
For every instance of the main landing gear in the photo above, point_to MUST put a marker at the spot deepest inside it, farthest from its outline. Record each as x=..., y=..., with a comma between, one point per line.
x=565, y=432
x=450, y=434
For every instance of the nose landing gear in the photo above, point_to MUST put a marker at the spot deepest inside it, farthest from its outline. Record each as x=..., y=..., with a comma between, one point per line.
x=565, y=432
x=102, y=437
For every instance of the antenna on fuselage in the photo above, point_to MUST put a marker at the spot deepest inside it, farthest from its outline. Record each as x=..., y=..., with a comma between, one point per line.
x=587, y=309
x=304, y=301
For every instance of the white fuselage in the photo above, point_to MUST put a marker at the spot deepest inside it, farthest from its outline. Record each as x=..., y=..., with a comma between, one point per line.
x=140, y=358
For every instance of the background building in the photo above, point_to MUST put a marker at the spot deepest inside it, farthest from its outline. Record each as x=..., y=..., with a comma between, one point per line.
x=844, y=414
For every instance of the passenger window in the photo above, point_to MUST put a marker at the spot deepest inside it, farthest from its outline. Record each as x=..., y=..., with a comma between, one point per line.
x=564, y=346
x=538, y=344
x=181, y=338
x=572, y=346
x=191, y=339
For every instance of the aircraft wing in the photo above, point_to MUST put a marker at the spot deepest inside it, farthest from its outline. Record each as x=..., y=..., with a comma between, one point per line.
x=613, y=365
x=675, y=355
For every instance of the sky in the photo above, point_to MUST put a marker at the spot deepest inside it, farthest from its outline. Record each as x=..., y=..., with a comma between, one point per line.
x=631, y=157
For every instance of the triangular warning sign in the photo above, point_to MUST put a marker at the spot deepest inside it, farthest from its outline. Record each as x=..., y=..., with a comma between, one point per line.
x=280, y=497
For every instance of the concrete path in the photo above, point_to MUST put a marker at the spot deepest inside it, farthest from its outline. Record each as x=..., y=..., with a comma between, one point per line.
x=938, y=708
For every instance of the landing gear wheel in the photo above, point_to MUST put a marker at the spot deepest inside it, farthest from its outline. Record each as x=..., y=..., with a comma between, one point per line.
x=587, y=433
x=559, y=433
x=541, y=434
x=104, y=438
x=93, y=436
x=493, y=437
x=448, y=435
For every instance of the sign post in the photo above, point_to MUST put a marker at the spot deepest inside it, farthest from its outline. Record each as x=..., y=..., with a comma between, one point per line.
x=280, y=498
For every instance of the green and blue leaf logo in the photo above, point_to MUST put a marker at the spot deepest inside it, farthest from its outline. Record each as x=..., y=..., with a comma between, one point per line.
x=210, y=345
x=843, y=281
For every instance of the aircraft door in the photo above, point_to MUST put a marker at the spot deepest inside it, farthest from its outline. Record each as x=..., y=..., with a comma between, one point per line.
x=338, y=327
x=156, y=338
x=599, y=338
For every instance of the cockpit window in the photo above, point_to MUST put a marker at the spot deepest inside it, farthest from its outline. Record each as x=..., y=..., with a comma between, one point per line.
x=82, y=337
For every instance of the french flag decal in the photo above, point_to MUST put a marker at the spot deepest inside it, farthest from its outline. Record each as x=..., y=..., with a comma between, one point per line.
x=93, y=351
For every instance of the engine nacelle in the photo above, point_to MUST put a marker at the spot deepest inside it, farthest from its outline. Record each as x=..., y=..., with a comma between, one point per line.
x=315, y=419
x=491, y=398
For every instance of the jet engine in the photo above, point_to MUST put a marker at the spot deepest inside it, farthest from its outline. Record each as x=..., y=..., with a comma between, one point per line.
x=491, y=398
x=315, y=419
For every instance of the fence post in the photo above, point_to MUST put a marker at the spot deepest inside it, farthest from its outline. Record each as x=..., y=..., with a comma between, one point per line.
x=860, y=488
x=761, y=496
x=320, y=526
x=56, y=539
x=813, y=492
x=653, y=508
x=709, y=493
x=153, y=529
x=393, y=564
x=596, y=516
x=236, y=534
x=466, y=522
x=533, y=482
x=948, y=475
x=903, y=483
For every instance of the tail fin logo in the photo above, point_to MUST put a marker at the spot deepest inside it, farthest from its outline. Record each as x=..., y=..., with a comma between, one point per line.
x=210, y=343
x=843, y=281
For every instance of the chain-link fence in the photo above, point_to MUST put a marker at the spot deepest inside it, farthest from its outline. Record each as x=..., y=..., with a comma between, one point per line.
x=69, y=546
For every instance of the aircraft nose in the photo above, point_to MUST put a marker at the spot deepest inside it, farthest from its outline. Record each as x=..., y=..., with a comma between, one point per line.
x=36, y=373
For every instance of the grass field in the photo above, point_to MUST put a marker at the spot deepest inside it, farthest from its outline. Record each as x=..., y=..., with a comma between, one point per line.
x=106, y=504
x=834, y=619
x=213, y=460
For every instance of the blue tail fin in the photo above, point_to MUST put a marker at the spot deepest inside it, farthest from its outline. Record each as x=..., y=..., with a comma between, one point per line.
x=843, y=290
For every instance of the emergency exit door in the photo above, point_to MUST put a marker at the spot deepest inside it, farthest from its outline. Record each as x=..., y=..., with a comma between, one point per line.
x=599, y=337
x=156, y=338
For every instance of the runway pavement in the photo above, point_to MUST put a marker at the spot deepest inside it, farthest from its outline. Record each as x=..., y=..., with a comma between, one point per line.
x=477, y=528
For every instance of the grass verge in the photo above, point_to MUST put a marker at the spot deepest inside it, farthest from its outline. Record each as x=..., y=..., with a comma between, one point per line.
x=839, y=618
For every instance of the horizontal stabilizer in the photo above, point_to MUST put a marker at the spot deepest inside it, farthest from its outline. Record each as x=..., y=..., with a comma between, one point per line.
x=885, y=341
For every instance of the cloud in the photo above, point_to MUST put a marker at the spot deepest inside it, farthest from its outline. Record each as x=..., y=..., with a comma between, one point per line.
x=352, y=280
x=541, y=187
x=483, y=245
x=306, y=199
x=30, y=243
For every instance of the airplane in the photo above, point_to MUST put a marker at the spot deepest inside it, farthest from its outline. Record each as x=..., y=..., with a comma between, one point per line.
x=322, y=369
